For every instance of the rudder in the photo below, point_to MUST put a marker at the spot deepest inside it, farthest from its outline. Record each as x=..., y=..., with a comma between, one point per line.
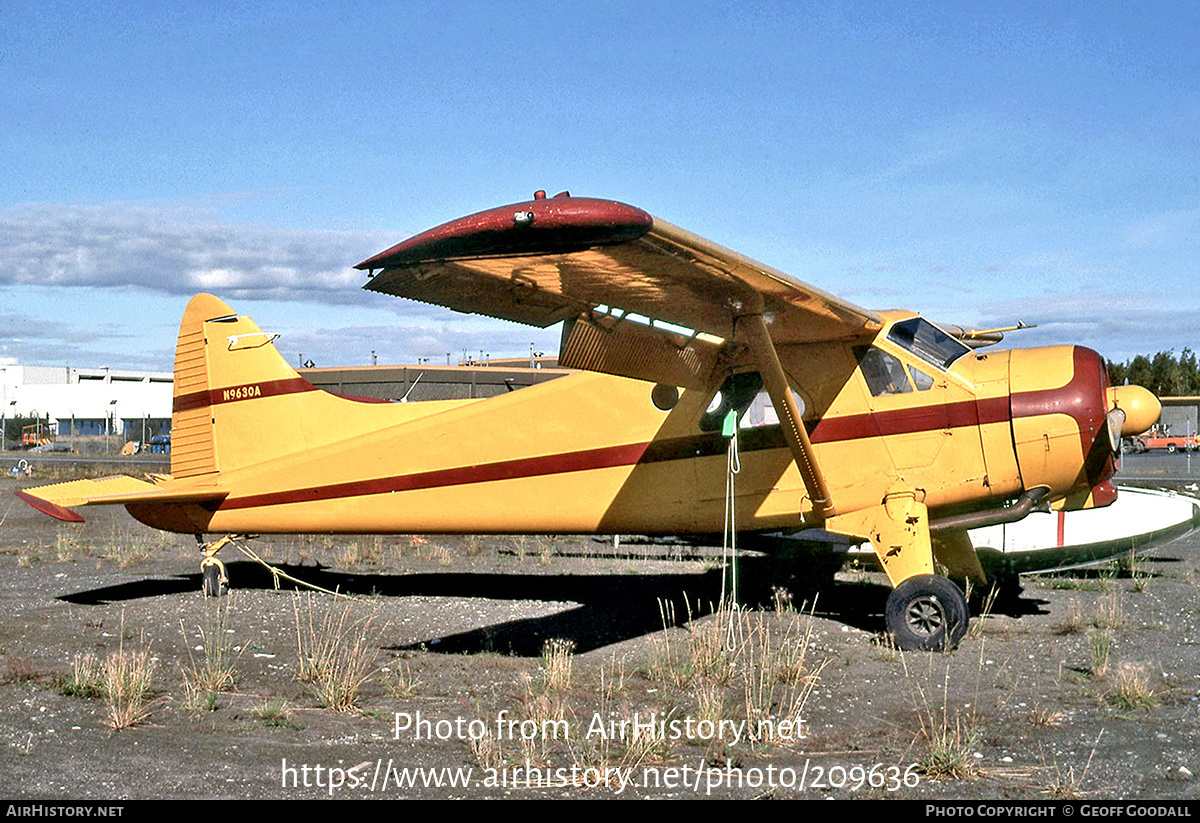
x=221, y=358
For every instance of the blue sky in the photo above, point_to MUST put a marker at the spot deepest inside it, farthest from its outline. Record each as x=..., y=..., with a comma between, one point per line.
x=978, y=162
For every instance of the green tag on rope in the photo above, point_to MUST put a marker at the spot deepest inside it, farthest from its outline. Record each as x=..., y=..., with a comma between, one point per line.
x=729, y=425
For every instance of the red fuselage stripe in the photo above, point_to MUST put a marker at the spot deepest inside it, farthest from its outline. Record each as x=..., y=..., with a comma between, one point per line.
x=828, y=430
x=488, y=472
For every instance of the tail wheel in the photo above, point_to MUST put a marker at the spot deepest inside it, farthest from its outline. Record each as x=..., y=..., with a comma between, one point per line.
x=928, y=613
x=216, y=582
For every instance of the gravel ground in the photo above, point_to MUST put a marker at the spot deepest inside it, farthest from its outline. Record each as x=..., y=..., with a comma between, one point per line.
x=1084, y=686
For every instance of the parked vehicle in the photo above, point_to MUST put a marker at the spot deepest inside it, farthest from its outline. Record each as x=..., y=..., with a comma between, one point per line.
x=1159, y=438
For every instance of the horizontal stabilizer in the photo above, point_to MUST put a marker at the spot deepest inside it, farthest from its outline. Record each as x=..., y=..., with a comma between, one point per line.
x=58, y=499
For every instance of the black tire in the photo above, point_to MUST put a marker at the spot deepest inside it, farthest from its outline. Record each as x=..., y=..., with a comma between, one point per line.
x=1171, y=448
x=927, y=613
x=213, y=585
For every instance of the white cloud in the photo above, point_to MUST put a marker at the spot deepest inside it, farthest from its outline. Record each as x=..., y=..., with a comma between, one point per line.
x=179, y=249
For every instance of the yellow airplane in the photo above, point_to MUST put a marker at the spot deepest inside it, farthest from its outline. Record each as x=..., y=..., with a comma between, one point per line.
x=876, y=425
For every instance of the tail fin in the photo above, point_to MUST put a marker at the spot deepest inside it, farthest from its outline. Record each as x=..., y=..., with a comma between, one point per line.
x=222, y=360
x=237, y=403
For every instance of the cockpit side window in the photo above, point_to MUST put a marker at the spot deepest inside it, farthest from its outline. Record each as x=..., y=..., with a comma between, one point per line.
x=927, y=341
x=920, y=379
x=884, y=373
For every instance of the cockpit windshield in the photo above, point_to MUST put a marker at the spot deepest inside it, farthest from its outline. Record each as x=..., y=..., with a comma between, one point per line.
x=927, y=341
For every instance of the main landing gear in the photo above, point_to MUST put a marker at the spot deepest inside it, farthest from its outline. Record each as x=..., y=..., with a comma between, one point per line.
x=927, y=612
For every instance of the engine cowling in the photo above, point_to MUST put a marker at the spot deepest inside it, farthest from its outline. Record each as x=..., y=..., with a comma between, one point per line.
x=1067, y=422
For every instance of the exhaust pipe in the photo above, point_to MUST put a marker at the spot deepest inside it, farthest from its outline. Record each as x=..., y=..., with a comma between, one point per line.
x=1026, y=503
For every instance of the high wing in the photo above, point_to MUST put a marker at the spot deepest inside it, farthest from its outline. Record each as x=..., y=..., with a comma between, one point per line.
x=557, y=259
x=563, y=258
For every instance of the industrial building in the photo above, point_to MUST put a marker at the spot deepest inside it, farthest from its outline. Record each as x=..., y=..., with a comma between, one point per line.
x=65, y=402
x=71, y=403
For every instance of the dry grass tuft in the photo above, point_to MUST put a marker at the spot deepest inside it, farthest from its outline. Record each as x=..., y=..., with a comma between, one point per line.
x=400, y=682
x=86, y=679
x=1075, y=621
x=126, y=677
x=1133, y=691
x=211, y=667
x=950, y=737
x=557, y=657
x=1100, y=645
x=335, y=653
x=1110, y=614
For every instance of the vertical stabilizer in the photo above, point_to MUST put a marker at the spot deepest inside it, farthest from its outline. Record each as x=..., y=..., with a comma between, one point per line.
x=237, y=401
x=193, y=450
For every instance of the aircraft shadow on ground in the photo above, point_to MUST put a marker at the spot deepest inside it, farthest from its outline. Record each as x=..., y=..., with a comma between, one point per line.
x=612, y=607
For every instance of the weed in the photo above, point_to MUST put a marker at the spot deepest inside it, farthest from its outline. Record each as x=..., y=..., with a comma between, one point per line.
x=1102, y=583
x=1109, y=612
x=607, y=755
x=547, y=714
x=705, y=654
x=776, y=680
x=1066, y=785
x=360, y=552
x=400, y=682
x=87, y=677
x=474, y=546
x=950, y=740
x=885, y=644
x=556, y=664
x=1100, y=644
x=612, y=678
x=710, y=704
x=709, y=649
x=989, y=604
x=67, y=545
x=214, y=671
x=126, y=548
x=950, y=749
x=334, y=653
x=1075, y=620
x=1044, y=716
x=1133, y=690
x=487, y=750
x=126, y=677
x=275, y=713
x=781, y=601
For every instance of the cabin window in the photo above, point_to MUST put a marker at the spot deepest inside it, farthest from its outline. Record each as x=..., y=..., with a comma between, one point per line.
x=664, y=397
x=745, y=393
x=884, y=373
x=927, y=341
x=920, y=379
x=761, y=411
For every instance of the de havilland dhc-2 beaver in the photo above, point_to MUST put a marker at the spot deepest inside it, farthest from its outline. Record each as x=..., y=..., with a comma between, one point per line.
x=880, y=425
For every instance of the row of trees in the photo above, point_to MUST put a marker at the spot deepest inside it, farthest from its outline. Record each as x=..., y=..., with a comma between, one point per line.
x=1166, y=374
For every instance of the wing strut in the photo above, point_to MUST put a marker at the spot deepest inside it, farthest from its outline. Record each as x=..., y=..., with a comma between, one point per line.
x=754, y=327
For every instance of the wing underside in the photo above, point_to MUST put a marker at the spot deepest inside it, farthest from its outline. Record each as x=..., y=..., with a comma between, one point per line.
x=578, y=259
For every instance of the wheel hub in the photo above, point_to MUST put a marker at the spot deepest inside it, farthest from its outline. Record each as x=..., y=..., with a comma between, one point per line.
x=926, y=616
